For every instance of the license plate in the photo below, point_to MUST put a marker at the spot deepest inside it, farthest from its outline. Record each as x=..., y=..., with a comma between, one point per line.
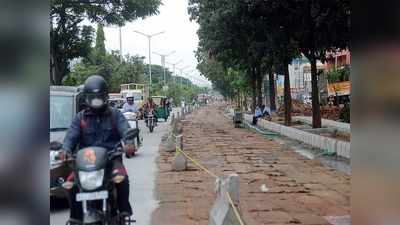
x=91, y=196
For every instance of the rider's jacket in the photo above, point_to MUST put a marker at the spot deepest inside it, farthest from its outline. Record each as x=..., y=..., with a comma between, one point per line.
x=92, y=129
x=149, y=106
x=130, y=108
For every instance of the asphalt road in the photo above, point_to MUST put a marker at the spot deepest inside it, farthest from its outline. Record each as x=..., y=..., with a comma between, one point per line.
x=142, y=173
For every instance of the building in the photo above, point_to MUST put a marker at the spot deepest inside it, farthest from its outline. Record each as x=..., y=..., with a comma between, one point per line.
x=300, y=77
x=337, y=60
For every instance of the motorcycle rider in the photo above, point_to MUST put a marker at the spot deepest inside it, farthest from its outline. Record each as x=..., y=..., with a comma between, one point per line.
x=130, y=105
x=103, y=126
x=150, y=106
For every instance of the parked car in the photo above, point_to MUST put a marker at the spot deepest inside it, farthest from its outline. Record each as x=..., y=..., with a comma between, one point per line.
x=65, y=102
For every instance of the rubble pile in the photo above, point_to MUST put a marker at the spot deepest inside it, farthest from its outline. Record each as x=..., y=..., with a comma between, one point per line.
x=301, y=109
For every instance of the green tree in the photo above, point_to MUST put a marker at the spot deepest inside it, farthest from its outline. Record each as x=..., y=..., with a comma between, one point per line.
x=227, y=36
x=129, y=71
x=321, y=26
x=239, y=35
x=69, y=39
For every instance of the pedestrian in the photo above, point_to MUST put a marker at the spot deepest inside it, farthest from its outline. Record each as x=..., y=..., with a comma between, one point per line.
x=257, y=114
x=266, y=111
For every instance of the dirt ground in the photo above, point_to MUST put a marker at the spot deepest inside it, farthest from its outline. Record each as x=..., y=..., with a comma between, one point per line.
x=301, y=191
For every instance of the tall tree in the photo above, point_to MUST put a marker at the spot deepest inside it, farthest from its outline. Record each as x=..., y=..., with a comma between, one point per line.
x=277, y=30
x=228, y=34
x=100, y=47
x=322, y=26
x=69, y=39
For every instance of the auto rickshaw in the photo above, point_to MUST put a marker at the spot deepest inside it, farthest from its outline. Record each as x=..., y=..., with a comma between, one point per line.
x=161, y=110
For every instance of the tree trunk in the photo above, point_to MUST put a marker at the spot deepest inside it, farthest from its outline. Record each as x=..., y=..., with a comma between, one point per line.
x=272, y=90
x=245, y=101
x=238, y=99
x=254, y=94
x=57, y=70
x=316, y=112
x=259, y=88
x=287, y=99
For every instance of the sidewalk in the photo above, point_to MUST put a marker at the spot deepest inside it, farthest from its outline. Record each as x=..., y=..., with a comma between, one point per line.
x=300, y=191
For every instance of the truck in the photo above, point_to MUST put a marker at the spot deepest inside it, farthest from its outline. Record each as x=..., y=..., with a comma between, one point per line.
x=139, y=91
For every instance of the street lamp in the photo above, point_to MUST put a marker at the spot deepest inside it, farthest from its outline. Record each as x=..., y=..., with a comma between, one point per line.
x=149, y=36
x=163, y=56
x=181, y=69
x=173, y=66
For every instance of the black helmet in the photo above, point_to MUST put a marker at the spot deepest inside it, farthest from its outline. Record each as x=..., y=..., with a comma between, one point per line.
x=96, y=92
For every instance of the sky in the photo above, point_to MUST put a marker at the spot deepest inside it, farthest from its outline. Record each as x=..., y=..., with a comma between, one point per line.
x=180, y=36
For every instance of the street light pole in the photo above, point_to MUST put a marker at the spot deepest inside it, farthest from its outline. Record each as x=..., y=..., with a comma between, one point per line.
x=149, y=36
x=163, y=56
x=120, y=45
x=173, y=66
x=181, y=69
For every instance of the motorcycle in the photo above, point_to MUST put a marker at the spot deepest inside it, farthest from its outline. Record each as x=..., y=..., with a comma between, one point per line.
x=132, y=119
x=150, y=122
x=96, y=186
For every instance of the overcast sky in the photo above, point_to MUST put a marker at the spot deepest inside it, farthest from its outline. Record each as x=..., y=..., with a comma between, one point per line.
x=180, y=36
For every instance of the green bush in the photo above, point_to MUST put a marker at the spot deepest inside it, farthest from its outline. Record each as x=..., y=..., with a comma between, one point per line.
x=338, y=75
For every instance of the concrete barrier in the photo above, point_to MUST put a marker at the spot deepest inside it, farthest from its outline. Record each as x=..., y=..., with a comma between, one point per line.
x=179, y=163
x=340, y=126
x=179, y=141
x=172, y=118
x=222, y=212
x=183, y=113
x=170, y=143
x=341, y=148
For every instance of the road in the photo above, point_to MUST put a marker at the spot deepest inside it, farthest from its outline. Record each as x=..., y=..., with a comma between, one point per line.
x=142, y=172
x=277, y=185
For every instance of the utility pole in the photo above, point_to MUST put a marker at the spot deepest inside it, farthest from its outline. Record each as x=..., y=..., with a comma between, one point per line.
x=149, y=36
x=163, y=56
x=120, y=45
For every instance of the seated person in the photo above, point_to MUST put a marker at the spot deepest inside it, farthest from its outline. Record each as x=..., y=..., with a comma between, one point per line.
x=257, y=114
